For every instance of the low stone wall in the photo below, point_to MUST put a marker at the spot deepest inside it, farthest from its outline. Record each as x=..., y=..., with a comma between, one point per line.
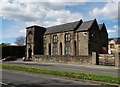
x=63, y=59
x=106, y=59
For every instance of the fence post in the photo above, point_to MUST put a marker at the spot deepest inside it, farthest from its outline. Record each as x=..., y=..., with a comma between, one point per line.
x=94, y=58
x=117, y=59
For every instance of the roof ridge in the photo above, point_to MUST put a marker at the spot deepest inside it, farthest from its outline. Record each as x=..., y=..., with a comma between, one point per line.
x=63, y=27
x=89, y=20
x=64, y=23
x=86, y=25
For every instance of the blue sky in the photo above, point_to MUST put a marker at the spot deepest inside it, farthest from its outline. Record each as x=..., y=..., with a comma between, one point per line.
x=16, y=16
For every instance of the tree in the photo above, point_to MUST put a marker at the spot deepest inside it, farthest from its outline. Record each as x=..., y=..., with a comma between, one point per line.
x=5, y=44
x=20, y=41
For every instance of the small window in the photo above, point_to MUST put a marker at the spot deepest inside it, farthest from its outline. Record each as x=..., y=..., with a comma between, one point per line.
x=67, y=37
x=67, y=50
x=84, y=34
x=30, y=33
x=112, y=46
x=55, y=38
x=29, y=37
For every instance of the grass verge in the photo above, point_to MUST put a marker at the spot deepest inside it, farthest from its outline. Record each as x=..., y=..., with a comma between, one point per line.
x=107, y=79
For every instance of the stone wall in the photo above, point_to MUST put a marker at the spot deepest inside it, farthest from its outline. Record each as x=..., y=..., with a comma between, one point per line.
x=82, y=43
x=61, y=39
x=34, y=38
x=107, y=59
x=63, y=59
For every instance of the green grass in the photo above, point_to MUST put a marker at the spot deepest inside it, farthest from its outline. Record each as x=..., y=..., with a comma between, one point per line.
x=107, y=79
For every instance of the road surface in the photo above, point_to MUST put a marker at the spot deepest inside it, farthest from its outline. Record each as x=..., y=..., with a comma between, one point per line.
x=90, y=69
x=23, y=79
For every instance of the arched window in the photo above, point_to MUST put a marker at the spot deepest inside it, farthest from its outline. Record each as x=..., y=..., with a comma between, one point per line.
x=29, y=37
x=55, y=38
x=67, y=37
x=30, y=33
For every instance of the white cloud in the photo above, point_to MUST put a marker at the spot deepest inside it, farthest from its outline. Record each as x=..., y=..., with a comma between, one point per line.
x=111, y=31
x=22, y=32
x=61, y=0
x=109, y=11
x=43, y=14
x=115, y=27
x=39, y=13
x=13, y=44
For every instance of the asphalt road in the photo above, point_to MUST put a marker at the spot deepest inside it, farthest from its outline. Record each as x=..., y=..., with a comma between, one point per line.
x=23, y=79
x=99, y=70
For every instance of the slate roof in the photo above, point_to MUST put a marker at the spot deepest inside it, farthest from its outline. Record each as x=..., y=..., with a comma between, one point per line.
x=86, y=25
x=64, y=27
x=32, y=26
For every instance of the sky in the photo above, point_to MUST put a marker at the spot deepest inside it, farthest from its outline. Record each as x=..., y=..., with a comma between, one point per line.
x=16, y=15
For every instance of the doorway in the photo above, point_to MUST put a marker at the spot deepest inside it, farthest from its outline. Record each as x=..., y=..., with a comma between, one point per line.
x=75, y=47
x=49, y=49
x=60, y=48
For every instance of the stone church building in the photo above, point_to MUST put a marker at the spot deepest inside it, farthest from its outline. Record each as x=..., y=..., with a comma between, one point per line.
x=74, y=38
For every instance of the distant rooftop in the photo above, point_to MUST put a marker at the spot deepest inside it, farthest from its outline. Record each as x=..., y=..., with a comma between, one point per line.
x=117, y=40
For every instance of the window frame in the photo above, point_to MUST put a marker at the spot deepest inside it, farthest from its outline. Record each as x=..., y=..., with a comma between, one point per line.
x=112, y=46
x=55, y=38
x=67, y=37
x=67, y=50
x=55, y=51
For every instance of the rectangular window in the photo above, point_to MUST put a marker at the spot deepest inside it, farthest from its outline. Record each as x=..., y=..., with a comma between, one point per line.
x=67, y=50
x=55, y=51
x=55, y=38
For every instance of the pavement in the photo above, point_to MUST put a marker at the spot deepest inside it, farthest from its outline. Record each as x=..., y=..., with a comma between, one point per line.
x=89, y=69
